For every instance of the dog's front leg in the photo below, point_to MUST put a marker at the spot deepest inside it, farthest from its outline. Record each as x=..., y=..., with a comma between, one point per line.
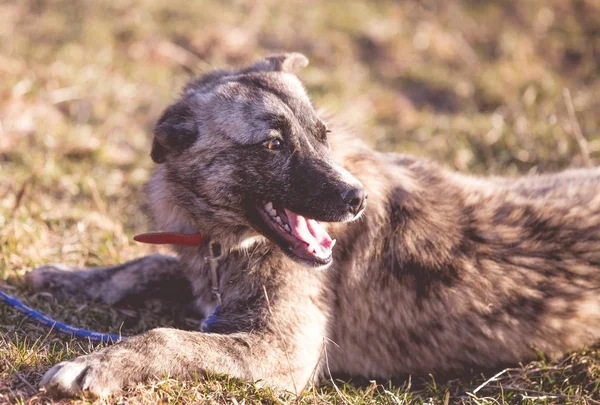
x=266, y=356
x=154, y=276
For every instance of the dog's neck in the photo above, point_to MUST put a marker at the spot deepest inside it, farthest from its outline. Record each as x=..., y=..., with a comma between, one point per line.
x=174, y=220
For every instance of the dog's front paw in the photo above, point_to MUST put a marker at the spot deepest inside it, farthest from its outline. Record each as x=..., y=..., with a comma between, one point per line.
x=89, y=375
x=54, y=277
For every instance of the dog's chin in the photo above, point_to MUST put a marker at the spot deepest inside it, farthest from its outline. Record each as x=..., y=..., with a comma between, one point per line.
x=303, y=239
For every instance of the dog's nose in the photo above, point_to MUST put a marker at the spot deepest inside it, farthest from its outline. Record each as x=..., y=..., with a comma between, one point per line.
x=355, y=199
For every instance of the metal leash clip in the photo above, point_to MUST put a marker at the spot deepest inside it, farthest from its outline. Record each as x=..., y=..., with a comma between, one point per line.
x=213, y=261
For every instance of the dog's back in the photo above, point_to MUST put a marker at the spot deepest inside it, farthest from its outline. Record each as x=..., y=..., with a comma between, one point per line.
x=449, y=272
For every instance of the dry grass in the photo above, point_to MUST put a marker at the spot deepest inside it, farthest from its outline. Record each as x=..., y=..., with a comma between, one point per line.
x=476, y=84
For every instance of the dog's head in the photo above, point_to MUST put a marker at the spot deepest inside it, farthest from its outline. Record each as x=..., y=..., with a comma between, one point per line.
x=244, y=152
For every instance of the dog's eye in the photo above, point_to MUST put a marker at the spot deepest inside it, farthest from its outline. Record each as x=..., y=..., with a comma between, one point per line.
x=273, y=144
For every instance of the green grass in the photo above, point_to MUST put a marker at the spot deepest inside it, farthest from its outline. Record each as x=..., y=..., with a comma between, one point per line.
x=477, y=85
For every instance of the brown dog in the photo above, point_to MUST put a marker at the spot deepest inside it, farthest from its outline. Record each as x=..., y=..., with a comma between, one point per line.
x=439, y=273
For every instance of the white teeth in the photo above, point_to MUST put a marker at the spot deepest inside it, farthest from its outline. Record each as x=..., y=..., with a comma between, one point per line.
x=332, y=243
x=268, y=207
x=270, y=210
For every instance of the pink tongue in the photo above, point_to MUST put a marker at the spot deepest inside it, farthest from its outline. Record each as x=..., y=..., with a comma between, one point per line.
x=318, y=242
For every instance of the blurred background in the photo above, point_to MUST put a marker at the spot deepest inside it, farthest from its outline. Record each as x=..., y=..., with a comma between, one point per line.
x=487, y=87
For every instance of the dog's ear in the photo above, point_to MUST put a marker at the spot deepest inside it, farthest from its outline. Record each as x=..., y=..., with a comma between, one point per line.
x=287, y=62
x=175, y=131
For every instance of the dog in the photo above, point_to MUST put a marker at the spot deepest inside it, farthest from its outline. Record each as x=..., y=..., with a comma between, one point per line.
x=307, y=252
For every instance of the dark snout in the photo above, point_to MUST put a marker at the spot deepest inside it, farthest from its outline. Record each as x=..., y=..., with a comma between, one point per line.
x=355, y=199
x=325, y=191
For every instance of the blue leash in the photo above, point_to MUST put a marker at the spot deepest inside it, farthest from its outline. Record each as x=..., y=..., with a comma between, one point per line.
x=95, y=337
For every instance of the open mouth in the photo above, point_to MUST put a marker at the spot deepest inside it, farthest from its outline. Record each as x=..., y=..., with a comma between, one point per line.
x=307, y=239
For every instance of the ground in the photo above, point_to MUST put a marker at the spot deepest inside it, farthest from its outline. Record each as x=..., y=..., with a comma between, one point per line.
x=486, y=87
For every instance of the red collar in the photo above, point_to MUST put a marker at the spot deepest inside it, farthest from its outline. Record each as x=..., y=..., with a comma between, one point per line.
x=170, y=238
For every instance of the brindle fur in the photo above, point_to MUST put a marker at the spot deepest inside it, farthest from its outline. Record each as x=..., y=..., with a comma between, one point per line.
x=442, y=274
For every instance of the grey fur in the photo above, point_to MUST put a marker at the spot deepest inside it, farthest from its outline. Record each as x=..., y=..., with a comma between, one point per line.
x=443, y=273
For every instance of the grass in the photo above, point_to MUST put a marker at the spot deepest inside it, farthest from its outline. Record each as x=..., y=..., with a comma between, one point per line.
x=478, y=85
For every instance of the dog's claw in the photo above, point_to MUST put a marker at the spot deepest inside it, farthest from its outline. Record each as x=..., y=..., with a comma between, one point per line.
x=84, y=376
